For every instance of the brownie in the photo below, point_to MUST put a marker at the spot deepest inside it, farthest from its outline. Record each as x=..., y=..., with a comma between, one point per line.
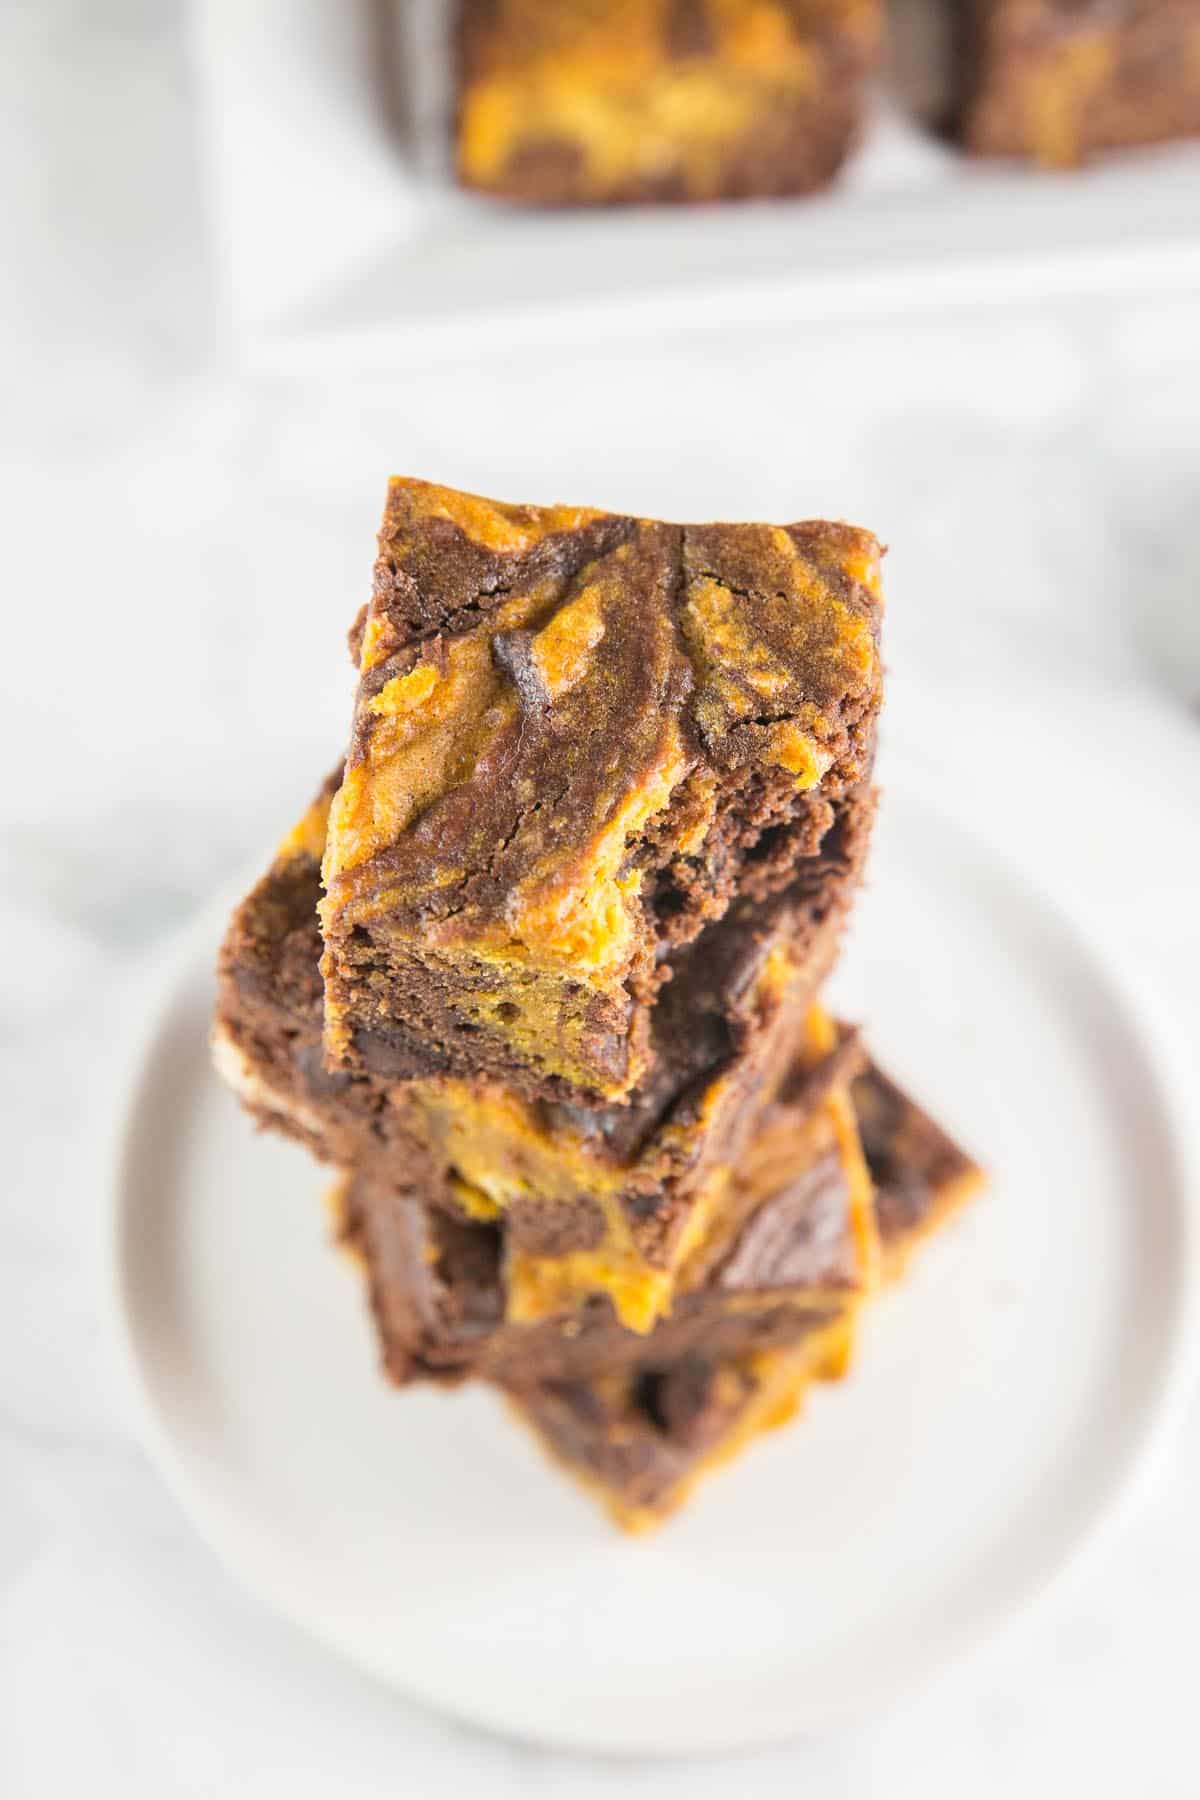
x=593, y=1199
x=795, y=1241
x=640, y=1437
x=578, y=102
x=578, y=738
x=1059, y=80
x=640, y=1440
x=920, y=1175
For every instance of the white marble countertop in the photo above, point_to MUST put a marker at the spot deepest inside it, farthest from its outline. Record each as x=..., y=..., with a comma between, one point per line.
x=183, y=548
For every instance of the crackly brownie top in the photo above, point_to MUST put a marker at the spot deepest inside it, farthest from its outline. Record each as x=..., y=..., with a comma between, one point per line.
x=538, y=684
x=629, y=84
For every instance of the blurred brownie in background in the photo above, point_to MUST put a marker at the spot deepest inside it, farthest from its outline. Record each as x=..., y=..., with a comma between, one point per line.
x=1059, y=80
x=595, y=102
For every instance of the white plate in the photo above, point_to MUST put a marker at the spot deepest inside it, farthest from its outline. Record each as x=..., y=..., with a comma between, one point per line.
x=332, y=244
x=1003, y=1400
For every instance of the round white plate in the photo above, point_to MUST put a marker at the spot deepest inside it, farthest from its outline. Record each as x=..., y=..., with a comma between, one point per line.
x=1002, y=1401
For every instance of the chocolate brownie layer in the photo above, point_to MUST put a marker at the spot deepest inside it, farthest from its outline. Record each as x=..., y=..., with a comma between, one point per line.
x=794, y=1243
x=1058, y=80
x=577, y=102
x=920, y=1174
x=578, y=738
x=640, y=1438
x=628, y=1186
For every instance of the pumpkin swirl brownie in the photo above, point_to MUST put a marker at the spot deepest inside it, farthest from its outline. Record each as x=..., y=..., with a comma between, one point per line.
x=578, y=739
x=640, y=1437
x=576, y=102
x=795, y=1243
x=1061, y=80
x=607, y=1200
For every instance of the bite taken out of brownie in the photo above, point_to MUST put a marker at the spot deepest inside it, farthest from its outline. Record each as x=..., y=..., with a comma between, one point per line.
x=598, y=102
x=594, y=1200
x=578, y=739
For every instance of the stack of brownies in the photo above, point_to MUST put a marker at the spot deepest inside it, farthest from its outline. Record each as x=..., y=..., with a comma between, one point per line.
x=539, y=973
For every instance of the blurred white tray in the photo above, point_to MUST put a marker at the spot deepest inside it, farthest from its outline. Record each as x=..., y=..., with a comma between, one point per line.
x=334, y=243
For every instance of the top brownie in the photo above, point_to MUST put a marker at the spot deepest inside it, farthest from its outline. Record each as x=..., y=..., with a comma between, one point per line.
x=577, y=738
x=577, y=102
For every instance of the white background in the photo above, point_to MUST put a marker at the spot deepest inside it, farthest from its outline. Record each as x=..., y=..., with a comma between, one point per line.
x=182, y=550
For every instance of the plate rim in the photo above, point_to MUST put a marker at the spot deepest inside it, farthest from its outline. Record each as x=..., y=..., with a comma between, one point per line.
x=1156, y=1040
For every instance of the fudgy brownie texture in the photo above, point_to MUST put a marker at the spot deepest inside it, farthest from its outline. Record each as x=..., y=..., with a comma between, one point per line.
x=641, y=1437
x=1059, y=80
x=605, y=1200
x=578, y=738
x=577, y=102
x=794, y=1243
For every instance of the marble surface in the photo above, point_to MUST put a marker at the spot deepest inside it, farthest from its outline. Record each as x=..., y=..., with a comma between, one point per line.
x=183, y=545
